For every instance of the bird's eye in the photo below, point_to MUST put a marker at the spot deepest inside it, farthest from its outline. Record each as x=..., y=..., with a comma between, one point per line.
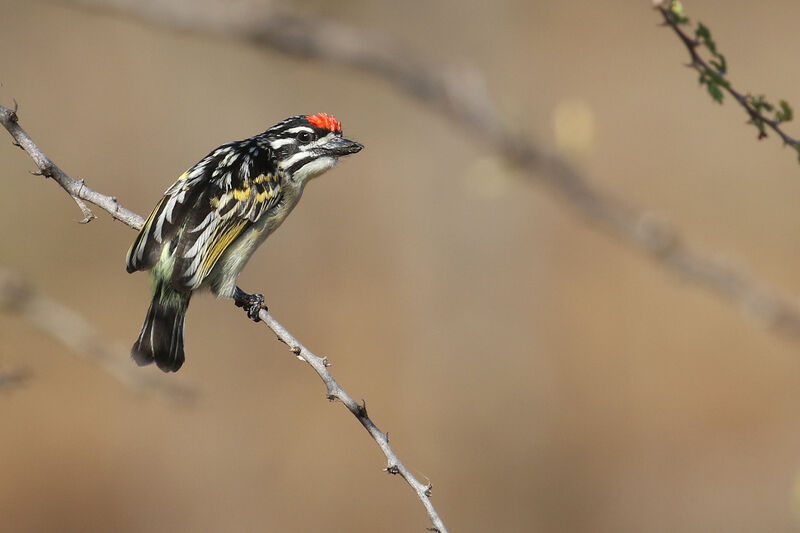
x=305, y=137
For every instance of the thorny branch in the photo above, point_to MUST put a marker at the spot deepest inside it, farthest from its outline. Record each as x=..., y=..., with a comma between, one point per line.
x=75, y=188
x=460, y=96
x=698, y=63
x=336, y=392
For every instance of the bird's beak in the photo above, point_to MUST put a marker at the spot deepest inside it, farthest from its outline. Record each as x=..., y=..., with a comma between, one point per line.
x=339, y=146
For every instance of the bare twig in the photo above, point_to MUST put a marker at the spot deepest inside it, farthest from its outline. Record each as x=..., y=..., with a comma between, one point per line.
x=75, y=188
x=79, y=335
x=88, y=216
x=41, y=312
x=698, y=63
x=459, y=95
x=336, y=392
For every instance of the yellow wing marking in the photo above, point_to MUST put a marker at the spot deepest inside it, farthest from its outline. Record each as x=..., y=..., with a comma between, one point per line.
x=266, y=195
x=241, y=194
x=220, y=244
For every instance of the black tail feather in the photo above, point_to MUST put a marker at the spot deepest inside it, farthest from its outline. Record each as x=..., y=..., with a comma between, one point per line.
x=161, y=339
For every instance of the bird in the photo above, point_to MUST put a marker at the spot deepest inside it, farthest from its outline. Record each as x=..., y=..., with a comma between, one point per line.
x=209, y=222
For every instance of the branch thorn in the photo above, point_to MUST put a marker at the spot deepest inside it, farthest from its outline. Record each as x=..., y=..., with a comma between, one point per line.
x=12, y=117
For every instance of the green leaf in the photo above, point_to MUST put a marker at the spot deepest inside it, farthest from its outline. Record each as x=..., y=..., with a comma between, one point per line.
x=719, y=80
x=703, y=35
x=785, y=113
x=715, y=92
x=719, y=64
x=759, y=103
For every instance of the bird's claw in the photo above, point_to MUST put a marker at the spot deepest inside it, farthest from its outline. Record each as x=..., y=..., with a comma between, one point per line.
x=251, y=303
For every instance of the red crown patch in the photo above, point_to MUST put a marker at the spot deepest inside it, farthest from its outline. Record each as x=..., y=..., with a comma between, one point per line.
x=325, y=121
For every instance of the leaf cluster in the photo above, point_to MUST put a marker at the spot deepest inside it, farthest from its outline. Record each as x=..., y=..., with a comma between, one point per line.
x=713, y=72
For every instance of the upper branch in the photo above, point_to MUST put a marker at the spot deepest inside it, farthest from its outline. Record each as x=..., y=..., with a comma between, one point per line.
x=77, y=189
x=713, y=75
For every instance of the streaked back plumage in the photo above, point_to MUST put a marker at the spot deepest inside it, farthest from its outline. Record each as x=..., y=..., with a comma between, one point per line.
x=208, y=223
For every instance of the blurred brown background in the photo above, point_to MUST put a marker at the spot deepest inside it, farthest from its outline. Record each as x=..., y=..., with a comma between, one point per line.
x=544, y=376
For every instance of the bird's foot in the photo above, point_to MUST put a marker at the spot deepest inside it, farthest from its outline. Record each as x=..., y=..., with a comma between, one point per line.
x=251, y=303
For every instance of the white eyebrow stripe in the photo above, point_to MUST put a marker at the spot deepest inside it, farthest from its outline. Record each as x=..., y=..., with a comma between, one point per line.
x=298, y=129
x=277, y=143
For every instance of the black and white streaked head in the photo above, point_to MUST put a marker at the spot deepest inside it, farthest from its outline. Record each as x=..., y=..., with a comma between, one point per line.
x=305, y=146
